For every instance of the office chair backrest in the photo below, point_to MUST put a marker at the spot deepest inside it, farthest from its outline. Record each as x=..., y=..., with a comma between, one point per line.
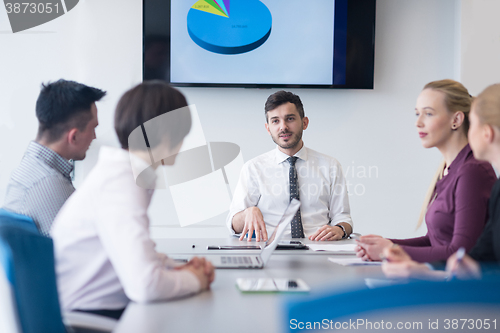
x=28, y=262
x=11, y=218
x=414, y=300
x=8, y=310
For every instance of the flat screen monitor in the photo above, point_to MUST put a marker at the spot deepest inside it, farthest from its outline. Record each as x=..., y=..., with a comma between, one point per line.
x=260, y=43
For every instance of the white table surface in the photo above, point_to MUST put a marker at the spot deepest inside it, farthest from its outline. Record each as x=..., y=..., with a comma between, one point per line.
x=224, y=308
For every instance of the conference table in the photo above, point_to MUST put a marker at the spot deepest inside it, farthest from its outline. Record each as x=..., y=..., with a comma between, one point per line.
x=224, y=308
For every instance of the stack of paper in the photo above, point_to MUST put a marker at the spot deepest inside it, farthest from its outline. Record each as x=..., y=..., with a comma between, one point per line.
x=259, y=285
x=332, y=247
x=353, y=261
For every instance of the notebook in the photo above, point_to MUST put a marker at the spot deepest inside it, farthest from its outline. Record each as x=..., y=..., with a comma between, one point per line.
x=270, y=285
x=257, y=260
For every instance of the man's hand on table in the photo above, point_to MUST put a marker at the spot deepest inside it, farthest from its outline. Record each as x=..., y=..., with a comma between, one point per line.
x=331, y=232
x=253, y=221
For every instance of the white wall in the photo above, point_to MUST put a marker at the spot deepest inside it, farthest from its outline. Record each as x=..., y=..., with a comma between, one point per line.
x=99, y=43
x=480, y=44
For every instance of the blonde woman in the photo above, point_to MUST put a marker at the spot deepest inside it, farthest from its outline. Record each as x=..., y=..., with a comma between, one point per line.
x=456, y=205
x=484, y=138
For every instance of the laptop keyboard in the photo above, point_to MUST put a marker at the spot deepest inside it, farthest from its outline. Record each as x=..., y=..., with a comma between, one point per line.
x=236, y=260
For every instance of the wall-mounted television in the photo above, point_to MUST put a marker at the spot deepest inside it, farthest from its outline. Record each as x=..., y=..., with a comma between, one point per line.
x=260, y=43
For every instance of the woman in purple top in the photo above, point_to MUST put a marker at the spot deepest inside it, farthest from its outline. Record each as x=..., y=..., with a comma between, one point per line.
x=456, y=204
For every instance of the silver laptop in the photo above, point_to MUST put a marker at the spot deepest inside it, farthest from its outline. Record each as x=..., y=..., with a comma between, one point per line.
x=257, y=260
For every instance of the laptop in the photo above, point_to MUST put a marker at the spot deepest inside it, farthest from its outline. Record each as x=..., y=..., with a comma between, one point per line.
x=257, y=260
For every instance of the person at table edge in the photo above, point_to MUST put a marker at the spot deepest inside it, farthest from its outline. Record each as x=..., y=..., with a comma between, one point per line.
x=268, y=182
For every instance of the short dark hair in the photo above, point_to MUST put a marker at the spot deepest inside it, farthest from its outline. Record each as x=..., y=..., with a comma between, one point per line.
x=146, y=101
x=62, y=105
x=282, y=97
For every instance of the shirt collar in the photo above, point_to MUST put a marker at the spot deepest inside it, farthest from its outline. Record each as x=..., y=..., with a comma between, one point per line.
x=462, y=156
x=282, y=157
x=144, y=175
x=50, y=157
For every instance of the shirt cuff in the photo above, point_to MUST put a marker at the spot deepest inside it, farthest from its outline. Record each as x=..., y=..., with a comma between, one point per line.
x=190, y=283
x=343, y=219
x=229, y=222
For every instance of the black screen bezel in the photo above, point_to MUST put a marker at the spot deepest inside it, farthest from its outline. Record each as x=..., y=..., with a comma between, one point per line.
x=359, y=41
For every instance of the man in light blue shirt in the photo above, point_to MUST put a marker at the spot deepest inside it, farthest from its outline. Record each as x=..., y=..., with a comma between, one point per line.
x=41, y=184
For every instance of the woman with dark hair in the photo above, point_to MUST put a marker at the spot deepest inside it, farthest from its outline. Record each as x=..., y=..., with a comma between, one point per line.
x=104, y=255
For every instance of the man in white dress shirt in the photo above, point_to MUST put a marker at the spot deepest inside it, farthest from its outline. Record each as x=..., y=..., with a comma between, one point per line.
x=268, y=182
x=104, y=255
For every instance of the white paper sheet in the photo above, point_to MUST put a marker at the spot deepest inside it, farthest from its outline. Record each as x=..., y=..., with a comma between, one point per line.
x=332, y=247
x=354, y=261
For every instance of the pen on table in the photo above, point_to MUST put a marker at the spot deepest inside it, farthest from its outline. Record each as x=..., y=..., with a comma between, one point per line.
x=354, y=236
x=460, y=257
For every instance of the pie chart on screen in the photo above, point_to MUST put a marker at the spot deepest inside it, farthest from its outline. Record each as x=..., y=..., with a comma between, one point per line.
x=229, y=26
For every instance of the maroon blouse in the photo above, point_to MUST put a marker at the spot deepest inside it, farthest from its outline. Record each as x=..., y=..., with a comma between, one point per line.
x=459, y=212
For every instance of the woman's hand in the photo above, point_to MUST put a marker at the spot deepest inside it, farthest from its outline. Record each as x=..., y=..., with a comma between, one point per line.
x=370, y=247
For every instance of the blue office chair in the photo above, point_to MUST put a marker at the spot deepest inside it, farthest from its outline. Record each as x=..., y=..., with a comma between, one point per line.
x=413, y=301
x=10, y=218
x=27, y=259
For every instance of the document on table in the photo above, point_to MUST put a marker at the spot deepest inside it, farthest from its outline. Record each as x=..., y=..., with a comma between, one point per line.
x=376, y=283
x=261, y=285
x=332, y=247
x=354, y=261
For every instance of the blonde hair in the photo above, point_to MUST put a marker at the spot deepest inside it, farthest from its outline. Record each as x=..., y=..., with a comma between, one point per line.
x=487, y=106
x=456, y=98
